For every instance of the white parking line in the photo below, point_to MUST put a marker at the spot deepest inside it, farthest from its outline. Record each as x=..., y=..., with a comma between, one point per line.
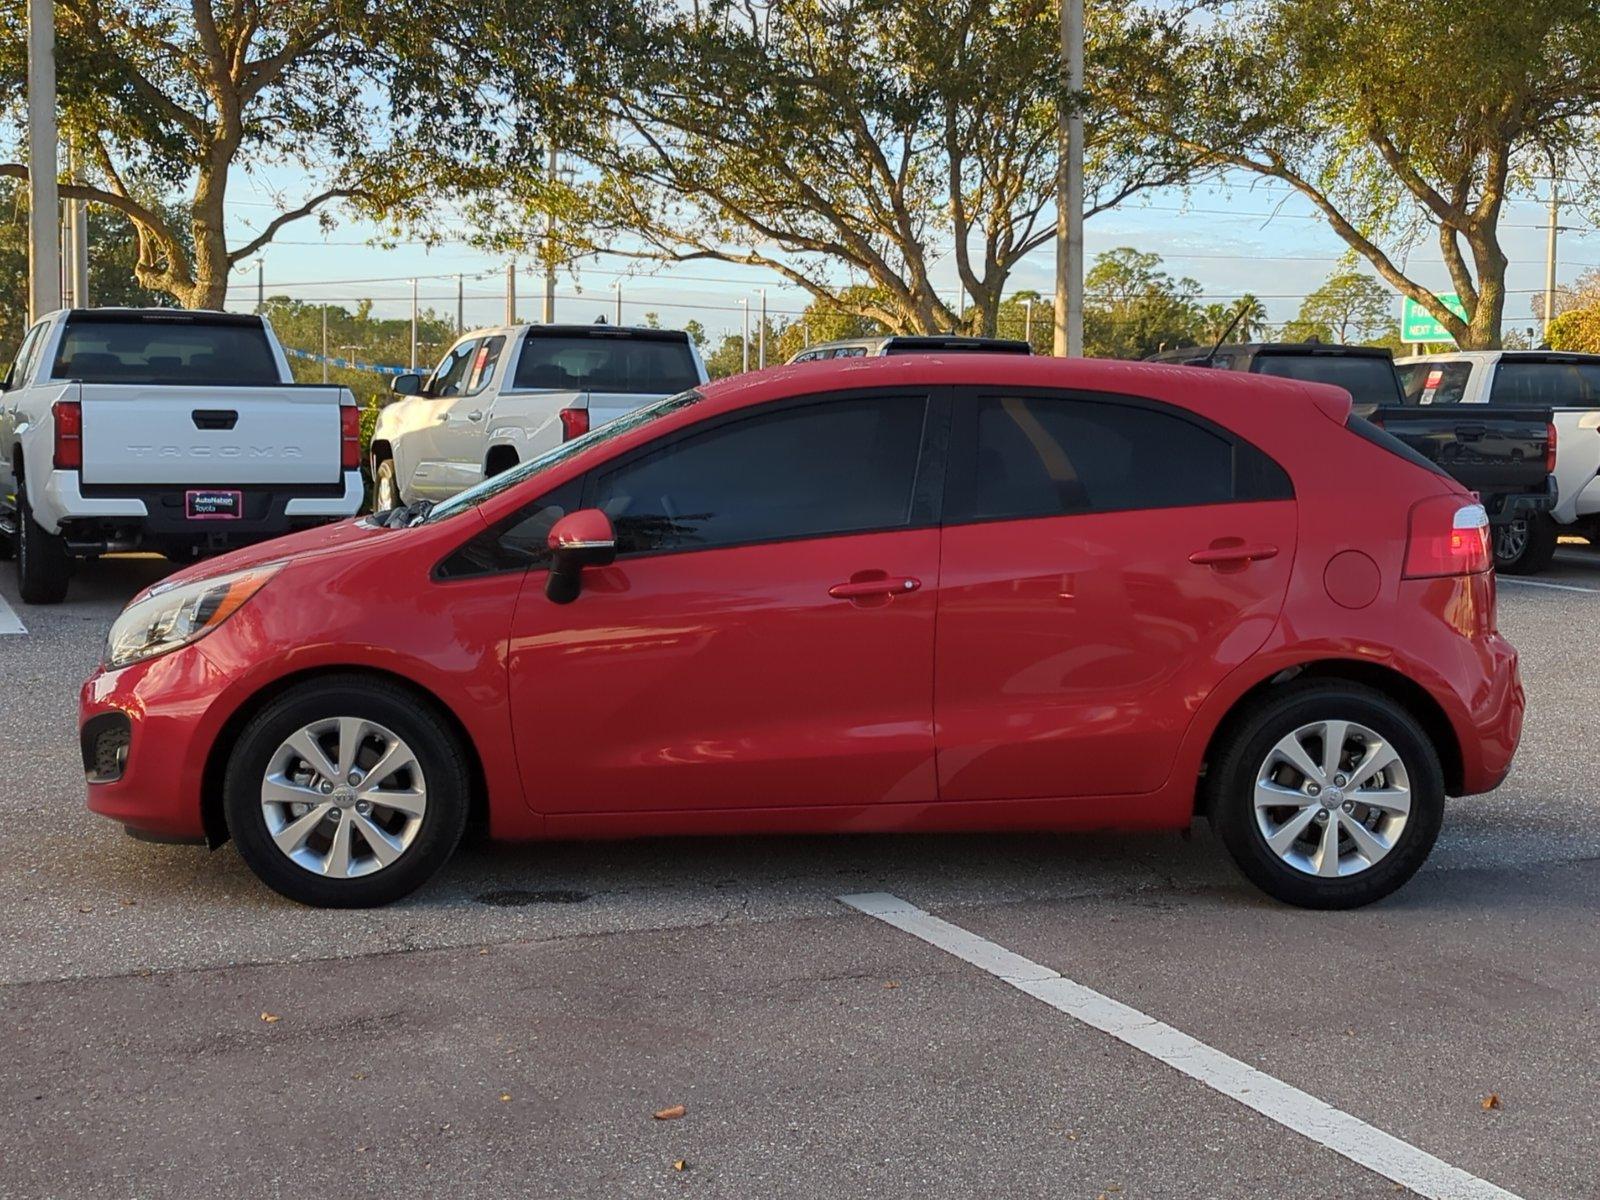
x=1559, y=587
x=1350, y=1136
x=9, y=623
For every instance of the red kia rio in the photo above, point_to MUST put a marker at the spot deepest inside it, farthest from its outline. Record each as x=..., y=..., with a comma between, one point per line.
x=963, y=593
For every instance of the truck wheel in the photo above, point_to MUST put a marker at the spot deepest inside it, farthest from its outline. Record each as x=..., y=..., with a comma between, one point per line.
x=1525, y=546
x=346, y=792
x=1327, y=794
x=385, y=488
x=43, y=565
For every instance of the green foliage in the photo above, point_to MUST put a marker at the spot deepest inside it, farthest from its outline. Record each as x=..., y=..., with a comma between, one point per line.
x=1576, y=329
x=1132, y=308
x=1397, y=123
x=360, y=336
x=1349, y=308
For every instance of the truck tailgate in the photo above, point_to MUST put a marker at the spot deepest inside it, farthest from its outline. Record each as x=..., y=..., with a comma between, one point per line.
x=1485, y=448
x=163, y=434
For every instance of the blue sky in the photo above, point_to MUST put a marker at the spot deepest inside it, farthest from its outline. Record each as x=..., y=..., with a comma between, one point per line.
x=1244, y=236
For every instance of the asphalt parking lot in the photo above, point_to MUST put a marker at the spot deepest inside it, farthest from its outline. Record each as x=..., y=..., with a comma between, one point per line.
x=171, y=1028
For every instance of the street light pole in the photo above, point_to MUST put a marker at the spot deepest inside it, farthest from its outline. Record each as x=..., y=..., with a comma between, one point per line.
x=461, y=305
x=324, y=343
x=413, y=324
x=44, y=199
x=550, y=250
x=1550, y=259
x=761, y=333
x=617, y=320
x=1069, y=189
x=744, y=303
x=511, y=292
x=1027, y=320
x=261, y=285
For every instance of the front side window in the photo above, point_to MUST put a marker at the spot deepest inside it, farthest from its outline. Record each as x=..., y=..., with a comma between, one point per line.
x=519, y=544
x=449, y=378
x=1546, y=384
x=1041, y=456
x=813, y=470
x=21, y=369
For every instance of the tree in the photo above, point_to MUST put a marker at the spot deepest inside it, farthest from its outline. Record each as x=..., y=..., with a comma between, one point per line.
x=869, y=137
x=356, y=334
x=1132, y=308
x=384, y=109
x=1394, y=130
x=1576, y=329
x=1348, y=308
x=1219, y=319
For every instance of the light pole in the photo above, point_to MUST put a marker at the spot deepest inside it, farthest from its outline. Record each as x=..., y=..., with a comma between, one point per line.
x=761, y=333
x=617, y=320
x=1027, y=320
x=1550, y=257
x=744, y=303
x=413, y=324
x=511, y=292
x=461, y=305
x=261, y=285
x=350, y=360
x=44, y=199
x=1069, y=189
x=550, y=248
x=324, y=343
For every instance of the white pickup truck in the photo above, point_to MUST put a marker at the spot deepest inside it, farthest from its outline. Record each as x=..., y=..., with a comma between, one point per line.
x=1568, y=385
x=502, y=396
x=169, y=430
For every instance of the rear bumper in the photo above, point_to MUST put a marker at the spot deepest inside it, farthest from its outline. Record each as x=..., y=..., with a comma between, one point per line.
x=95, y=520
x=1489, y=725
x=1506, y=507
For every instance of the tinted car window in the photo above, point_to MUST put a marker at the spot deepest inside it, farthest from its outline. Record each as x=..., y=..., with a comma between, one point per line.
x=836, y=466
x=449, y=377
x=1546, y=383
x=1435, y=383
x=606, y=363
x=1368, y=380
x=164, y=350
x=518, y=544
x=1047, y=456
x=483, y=364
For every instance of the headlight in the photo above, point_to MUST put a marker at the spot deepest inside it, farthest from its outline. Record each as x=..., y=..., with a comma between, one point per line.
x=175, y=616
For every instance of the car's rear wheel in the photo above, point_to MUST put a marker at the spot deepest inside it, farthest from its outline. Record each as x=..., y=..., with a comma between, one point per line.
x=385, y=487
x=346, y=792
x=1526, y=545
x=1327, y=794
x=44, y=568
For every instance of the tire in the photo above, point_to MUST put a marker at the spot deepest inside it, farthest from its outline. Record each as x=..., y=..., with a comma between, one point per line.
x=385, y=487
x=44, y=568
x=1525, y=547
x=419, y=838
x=1248, y=756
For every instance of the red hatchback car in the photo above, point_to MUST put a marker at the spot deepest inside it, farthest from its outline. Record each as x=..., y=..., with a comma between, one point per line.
x=922, y=593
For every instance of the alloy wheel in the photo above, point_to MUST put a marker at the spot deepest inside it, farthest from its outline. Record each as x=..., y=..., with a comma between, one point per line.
x=1332, y=798
x=343, y=797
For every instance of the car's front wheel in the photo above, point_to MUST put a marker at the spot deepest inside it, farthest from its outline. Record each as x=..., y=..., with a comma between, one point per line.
x=1327, y=794
x=346, y=792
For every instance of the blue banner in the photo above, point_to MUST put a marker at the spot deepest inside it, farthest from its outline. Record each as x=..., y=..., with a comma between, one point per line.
x=348, y=363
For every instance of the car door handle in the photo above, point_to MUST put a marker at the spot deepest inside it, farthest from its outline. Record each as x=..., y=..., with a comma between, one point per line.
x=855, y=589
x=1242, y=553
x=475, y=415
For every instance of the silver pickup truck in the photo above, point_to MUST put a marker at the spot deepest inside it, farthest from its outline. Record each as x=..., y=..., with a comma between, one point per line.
x=502, y=396
x=162, y=429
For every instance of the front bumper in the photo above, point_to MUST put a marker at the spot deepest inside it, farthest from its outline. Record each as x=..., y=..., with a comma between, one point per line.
x=164, y=706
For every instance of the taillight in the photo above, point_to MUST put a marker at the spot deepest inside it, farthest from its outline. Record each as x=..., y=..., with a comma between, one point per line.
x=1447, y=537
x=68, y=418
x=349, y=437
x=1550, y=450
x=574, y=423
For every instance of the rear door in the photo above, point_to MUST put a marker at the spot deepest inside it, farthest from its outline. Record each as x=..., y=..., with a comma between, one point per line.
x=1105, y=562
x=765, y=638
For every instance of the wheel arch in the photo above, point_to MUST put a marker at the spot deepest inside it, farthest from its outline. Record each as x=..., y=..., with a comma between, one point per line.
x=216, y=766
x=501, y=456
x=1404, y=691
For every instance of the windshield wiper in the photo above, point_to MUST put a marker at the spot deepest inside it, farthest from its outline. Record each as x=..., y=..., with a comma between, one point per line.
x=407, y=515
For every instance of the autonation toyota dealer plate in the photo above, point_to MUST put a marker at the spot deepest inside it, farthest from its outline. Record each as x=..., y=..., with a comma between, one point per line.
x=213, y=505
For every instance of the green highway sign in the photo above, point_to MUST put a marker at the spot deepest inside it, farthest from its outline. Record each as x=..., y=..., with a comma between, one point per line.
x=1418, y=326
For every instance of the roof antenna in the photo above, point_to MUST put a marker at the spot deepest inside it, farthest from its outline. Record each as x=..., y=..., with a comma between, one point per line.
x=1211, y=355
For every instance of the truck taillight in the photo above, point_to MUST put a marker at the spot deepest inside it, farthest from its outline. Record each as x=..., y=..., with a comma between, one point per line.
x=1550, y=450
x=574, y=423
x=1447, y=537
x=67, y=416
x=349, y=437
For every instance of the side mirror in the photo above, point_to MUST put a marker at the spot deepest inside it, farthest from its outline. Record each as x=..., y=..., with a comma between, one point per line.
x=578, y=540
x=409, y=384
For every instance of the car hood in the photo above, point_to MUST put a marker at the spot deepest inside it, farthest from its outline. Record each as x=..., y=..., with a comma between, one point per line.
x=308, y=543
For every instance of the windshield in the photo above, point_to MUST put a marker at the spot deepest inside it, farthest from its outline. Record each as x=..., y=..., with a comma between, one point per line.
x=115, y=348
x=496, y=484
x=1368, y=379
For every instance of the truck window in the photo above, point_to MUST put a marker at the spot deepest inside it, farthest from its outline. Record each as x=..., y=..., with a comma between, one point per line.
x=1541, y=384
x=1368, y=380
x=618, y=363
x=1435, y=383
x=451, y=373
x=179, y=349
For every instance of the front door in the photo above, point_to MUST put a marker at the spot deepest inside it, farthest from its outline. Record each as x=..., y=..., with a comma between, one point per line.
x=765, y=638
x=1105, y=563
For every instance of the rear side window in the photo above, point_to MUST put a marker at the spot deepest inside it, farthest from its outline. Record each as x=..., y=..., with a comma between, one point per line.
x=174, y=350
x=620, y=363
x=1031, y=456
x=1385, y=440
x=832, y=467
x=1368, y=380
x=1435, y=383
x=1542, y=384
